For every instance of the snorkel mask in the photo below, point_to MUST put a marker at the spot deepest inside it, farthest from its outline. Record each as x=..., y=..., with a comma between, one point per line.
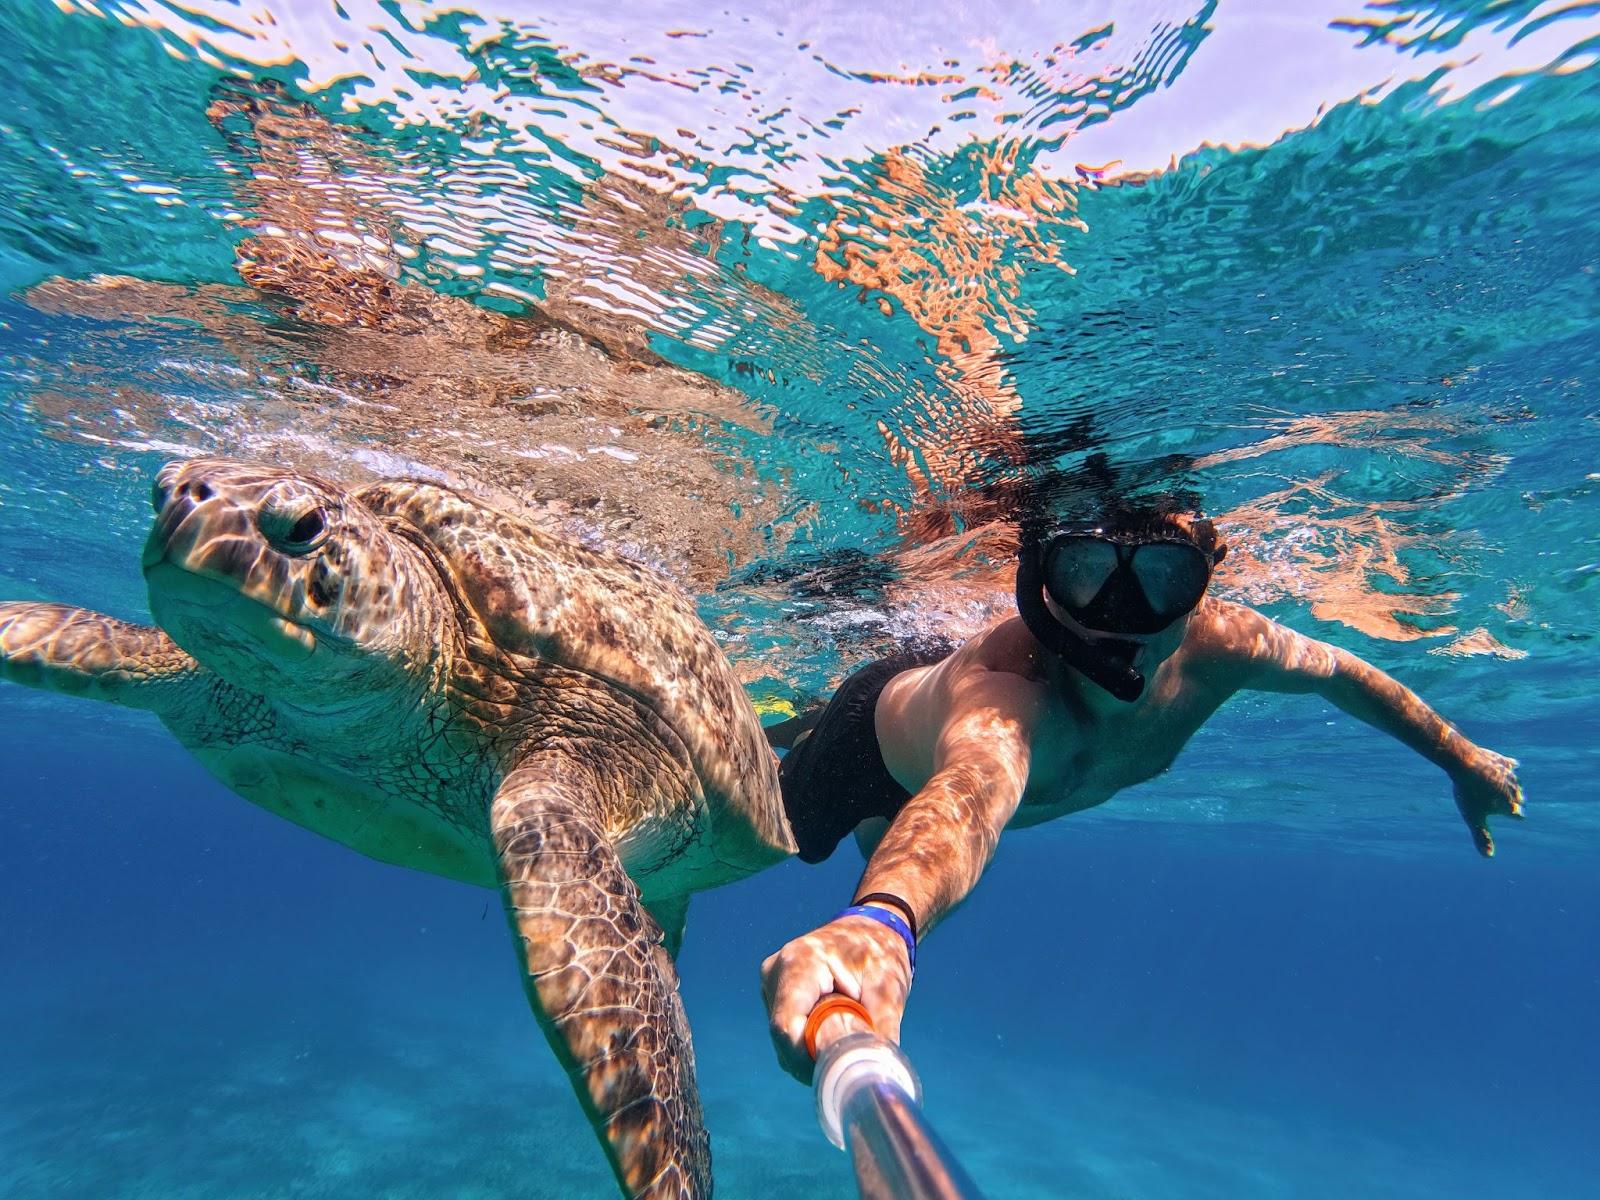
x=1129, y=584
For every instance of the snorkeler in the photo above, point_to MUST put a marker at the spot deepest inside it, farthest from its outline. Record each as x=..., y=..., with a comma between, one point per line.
x=1116, y=657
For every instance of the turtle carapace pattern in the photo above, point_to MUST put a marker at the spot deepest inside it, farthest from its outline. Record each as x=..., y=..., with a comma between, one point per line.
x=440, y=685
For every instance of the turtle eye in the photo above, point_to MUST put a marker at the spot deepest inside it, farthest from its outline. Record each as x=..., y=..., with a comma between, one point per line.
x=295, y=534
x=306, y=529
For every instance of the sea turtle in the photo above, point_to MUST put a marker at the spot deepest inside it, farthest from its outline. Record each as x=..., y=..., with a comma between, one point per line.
x=440, y=685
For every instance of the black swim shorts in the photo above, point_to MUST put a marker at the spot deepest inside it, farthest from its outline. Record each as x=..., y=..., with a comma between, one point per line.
x=834, y=777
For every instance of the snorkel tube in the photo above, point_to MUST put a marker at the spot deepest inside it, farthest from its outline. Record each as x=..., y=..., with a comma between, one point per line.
x=1082, y=655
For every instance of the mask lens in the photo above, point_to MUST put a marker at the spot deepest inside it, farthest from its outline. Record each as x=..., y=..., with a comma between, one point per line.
x=1077, y=569
x=1172, y=575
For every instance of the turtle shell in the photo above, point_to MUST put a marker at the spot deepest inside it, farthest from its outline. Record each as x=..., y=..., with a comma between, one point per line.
x=538, y=596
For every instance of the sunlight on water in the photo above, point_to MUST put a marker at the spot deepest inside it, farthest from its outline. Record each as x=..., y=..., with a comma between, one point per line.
x=795, y=311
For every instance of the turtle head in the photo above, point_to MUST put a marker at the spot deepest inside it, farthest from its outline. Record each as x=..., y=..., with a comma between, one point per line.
x=286, y=585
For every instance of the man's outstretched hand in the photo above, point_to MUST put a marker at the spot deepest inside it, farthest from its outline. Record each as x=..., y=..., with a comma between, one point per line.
x=1486, y=785
x=852, y=955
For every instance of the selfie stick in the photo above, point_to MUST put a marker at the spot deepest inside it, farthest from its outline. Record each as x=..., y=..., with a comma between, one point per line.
x=869, y=1099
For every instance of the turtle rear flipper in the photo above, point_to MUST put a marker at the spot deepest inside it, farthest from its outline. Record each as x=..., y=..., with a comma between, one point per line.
x=672, y=914
x=601, y=984
x=83, y=653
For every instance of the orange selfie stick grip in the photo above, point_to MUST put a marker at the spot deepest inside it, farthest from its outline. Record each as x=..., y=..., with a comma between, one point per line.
x=834, y=1002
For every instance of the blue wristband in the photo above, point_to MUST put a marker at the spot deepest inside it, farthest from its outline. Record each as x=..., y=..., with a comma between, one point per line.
x=893, y=920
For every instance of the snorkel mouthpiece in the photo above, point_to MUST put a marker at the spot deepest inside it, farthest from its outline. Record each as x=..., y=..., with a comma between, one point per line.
x=1082, y=655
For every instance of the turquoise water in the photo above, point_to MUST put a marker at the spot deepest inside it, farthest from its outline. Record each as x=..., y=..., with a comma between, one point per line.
x=795, y=306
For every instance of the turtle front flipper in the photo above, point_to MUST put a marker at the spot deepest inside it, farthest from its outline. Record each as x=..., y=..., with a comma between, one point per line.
x=600, y=981
x=83, y=653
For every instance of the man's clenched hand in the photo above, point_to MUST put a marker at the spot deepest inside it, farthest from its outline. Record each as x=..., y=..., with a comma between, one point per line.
x=856, y=956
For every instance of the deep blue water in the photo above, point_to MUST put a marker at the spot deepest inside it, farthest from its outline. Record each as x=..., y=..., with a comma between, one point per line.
x=205, y=1001
x=795, y=305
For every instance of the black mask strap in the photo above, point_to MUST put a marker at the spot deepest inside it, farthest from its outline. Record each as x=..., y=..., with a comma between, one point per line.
x=1098, y=667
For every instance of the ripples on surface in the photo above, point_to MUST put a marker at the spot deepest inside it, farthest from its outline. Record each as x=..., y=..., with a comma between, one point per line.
x=800, y=307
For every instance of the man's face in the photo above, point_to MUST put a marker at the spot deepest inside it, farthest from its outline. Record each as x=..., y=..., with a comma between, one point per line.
x=1150, y=577
x=1143, y=652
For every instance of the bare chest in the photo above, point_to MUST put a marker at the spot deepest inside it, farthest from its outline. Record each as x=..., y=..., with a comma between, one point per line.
x=1080, y=758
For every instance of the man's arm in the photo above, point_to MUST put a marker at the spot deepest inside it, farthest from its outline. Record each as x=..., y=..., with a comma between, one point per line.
x=931, y=857
x=1270, y=657
x=939, y=844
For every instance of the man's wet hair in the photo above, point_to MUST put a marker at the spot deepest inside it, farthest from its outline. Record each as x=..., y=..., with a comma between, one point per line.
x=1140, y=514
x=1166, y=514
x=1122, y=498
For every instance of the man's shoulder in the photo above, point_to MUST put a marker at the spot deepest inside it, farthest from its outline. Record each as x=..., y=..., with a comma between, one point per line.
x=1007, y=647
x=1003, y=660
x=1223, y=631
x=993, y=671
x=1224, y=620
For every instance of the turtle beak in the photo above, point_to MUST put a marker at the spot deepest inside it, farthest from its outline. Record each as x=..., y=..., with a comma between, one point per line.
x=175, y=504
